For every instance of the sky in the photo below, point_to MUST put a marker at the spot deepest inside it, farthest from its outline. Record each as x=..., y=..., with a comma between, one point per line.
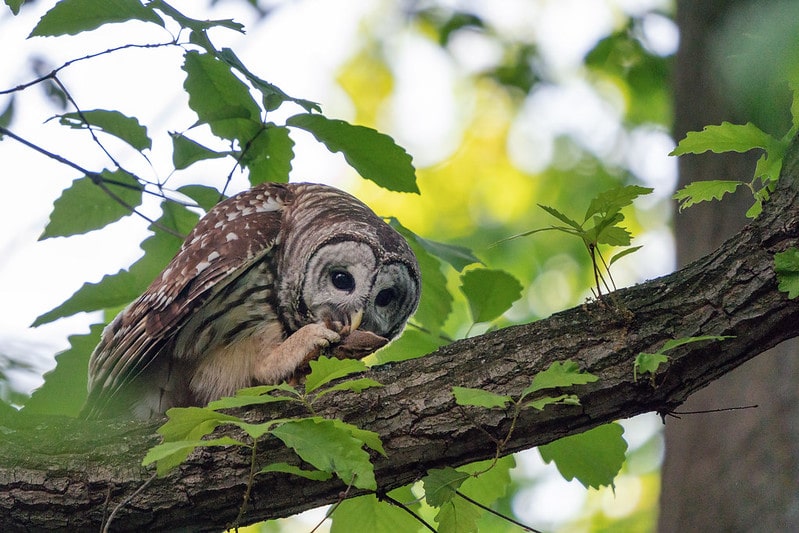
x=299, y=47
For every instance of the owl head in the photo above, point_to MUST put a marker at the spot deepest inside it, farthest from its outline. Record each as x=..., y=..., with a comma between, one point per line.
x=339, y=263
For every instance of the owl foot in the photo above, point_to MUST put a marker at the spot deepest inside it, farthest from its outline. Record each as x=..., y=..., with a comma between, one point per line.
x=294, y=353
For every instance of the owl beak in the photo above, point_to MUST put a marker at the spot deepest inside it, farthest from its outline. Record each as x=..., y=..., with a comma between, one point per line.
x=355, y=319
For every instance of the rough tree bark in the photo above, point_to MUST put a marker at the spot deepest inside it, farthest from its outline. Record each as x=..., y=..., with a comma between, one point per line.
x=57, y=474
x=736, y=471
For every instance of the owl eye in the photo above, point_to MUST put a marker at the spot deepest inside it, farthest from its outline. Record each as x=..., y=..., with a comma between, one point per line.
x=385, y=297
x=342, y=280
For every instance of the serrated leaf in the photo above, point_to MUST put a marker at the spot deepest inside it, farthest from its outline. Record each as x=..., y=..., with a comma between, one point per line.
x=367, y=437
x=368, y=514
x=353, y=385
x=480, y=398
x=85, y=206
x=440, y=485
x=411, y=344
x=233, y=402
x=594, y=457
x=191, y=423
x=648, y=363
x=273, y=96
x=186, y=152
x=329, y=448
x=14, y=6
x=269, y=156
x=613, y=200
x=458, y=516
x=112, y=122
x=786, y=265
x=674, y=343
x=563, y=399
x=326, y=369
x=626, y=251
x=206, y=197
x=493, y=481
x=489, y=292
x=725, y=137
x=117, y=290
x=64, y=390
x=703, y=191
x=613, y=236
x=373, y=154
x=314, y=475
x=559, y=374
x=435, y=304
x=170, y=455
x=75, y=16
x=198, y=26
x=220, y=99
x=457, y=256
x=562, y=217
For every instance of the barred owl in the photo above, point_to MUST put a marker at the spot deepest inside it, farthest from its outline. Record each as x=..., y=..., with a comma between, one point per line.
x=264, y=282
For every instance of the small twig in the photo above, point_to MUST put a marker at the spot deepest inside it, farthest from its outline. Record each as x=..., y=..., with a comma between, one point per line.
x=341, y=497
x=496, y=513
x=52, y=73
x=107, y=523
x=250, y=483
x=392, y=501
x=676, y=414
x=98, y=180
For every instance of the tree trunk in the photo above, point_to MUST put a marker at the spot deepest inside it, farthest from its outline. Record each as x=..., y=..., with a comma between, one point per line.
x=68, y=475
x=733, y=471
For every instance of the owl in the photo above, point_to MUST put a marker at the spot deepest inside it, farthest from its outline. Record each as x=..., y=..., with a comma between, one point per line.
x=266, y=281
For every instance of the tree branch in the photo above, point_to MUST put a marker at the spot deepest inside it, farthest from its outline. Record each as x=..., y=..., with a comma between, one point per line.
x=66, y=474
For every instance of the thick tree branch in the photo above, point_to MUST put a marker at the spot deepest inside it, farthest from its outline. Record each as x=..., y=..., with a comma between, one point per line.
x=60, y=474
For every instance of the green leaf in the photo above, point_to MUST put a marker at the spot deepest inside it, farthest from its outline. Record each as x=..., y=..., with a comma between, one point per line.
x=493, y=481
x=220, y=99
x=186, y=152
x=117, y=290
x=594, y=457
x=198, y=26
x=76, y=16
x=368, y=514
x=169, y=455
x=369, y=438
x=626, y=251
x=411, y=344
x=440, y=485
x=329, y=448
x=674, y=343
x=14, y=5
x=273, y=96
x=559, y=374
x=64, y=390
x=85, y=206
x=206, y=197
x=560, y=216
x=480, y=398
x=724, y=138
x=326, y=369
x=458, y=516
x=233, y=402
x=373, y=154
x=353, y=385
x=490, y=292
x=269, y=156
x=703, y=191
x=563, y=399
x=613, y=200
x=192, y=423
x=7, y=115
x=786, y=265
x=314, y=475
x=613, y=236
x=112, y=122
x=648, y=363
x=457, y=256
x=435, y=304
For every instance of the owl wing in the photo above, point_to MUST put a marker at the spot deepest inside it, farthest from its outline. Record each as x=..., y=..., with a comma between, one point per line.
x=230, y=238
